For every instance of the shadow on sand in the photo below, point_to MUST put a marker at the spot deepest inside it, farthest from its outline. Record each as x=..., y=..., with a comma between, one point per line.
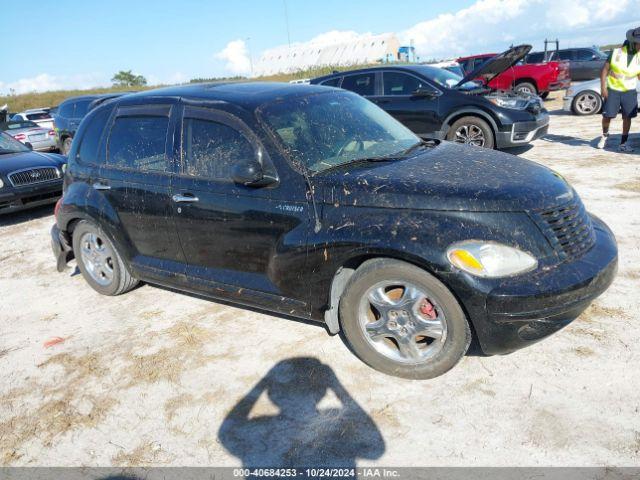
x=299, y=431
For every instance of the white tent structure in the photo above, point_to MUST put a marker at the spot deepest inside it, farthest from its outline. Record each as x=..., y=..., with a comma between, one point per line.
x=363, y=49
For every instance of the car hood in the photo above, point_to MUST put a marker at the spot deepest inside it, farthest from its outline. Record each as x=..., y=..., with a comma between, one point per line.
x=11, y=162
x=498, y=64
x=447, y=177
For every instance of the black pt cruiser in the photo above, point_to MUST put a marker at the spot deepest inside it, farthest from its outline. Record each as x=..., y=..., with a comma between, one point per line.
x=313, y=202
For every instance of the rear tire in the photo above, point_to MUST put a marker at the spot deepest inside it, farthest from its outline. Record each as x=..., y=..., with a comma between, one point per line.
x=526, y=88
x=471, y=131
x=402, y=321
x=99, y=262
x=66, y=146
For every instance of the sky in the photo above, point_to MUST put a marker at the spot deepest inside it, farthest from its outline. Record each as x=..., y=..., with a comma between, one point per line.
x=82, y=43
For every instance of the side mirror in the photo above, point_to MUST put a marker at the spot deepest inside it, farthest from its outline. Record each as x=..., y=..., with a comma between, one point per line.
x=28, y=145
x=251, y=174
x=425, y=92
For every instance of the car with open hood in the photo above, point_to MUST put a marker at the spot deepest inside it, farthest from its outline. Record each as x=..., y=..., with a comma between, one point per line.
x=507, y=71
x=27, y=178
x=438, y=103
x=314, y=203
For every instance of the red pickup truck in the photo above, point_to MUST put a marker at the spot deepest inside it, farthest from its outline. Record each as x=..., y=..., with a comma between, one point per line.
x=536, y=78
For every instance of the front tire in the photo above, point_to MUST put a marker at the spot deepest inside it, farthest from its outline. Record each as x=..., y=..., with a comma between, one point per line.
x=99, y=261
x=402, y=321
x=526, y=88
x=471, y=131
x=587, y=103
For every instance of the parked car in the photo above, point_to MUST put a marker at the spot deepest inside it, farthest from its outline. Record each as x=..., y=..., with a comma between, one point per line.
x=70, y=113
x=27, y=179
x=41, y=116
x=537, y=79
x=585, y=98
x=437, y=103
x=584, y=63
x=25, y=131
x=314, y=203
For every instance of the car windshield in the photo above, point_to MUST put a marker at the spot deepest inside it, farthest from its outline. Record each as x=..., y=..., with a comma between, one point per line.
x=17, y=125
x=9, y=145
x=446, y=78
x=332, y=129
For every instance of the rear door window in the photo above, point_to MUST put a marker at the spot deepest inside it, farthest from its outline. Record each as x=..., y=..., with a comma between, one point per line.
x=363, y=84
x=82, y=107
x=138, y=142
x=66, y=110
x=584, y=55
x=212, y=149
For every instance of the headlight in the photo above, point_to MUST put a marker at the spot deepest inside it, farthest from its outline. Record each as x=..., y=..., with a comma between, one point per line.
x=506, y=102
x=64, y=168
x=490, y=259
x=1, y=183
x=570, y=92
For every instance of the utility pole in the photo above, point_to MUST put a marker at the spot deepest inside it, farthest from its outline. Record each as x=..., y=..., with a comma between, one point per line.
x=248, y=40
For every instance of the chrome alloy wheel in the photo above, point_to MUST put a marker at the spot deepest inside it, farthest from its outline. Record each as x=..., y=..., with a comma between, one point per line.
x=587, y=103
x=401, y=322
x=470, y=135
x=97, y=257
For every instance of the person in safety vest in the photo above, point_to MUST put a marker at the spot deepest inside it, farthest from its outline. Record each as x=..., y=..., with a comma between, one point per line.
x=618, y=79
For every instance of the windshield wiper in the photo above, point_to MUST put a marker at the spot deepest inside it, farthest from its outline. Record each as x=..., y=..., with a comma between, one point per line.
x=356, y=161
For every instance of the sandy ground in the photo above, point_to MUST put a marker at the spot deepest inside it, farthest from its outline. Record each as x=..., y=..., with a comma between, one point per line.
x=159, y=378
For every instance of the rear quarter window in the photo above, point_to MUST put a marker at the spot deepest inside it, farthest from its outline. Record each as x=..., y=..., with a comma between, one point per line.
x=332, y=82
x=65, y=110
x=90, y=152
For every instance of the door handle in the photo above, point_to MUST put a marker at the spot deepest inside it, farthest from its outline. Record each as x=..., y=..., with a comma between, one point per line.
x=101, y=186
x=184, y=198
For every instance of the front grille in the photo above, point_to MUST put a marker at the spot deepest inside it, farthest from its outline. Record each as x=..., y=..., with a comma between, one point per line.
x=33, y=176
x=568, y=228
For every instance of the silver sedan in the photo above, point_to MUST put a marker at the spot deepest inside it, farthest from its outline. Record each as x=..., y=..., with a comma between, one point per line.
x=584, y=98
x=41, y=139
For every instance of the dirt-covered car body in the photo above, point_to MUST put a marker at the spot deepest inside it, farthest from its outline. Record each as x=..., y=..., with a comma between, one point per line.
x=285, y=233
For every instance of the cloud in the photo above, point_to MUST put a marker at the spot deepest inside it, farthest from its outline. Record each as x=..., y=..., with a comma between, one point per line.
x=495, y=24
x=45, y=82
x=485, y=26
x=236, y=54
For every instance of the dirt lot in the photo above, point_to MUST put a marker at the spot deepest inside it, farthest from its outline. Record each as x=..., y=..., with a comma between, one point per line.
x=159, y=378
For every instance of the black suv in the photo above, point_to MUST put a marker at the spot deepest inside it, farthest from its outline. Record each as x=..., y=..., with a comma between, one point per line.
x=70, y=113
x=584, y=63
x=437, y=103
x=315, y=203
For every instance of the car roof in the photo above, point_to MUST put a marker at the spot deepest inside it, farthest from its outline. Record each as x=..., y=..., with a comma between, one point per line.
x=91, y=97
x=411, y=68
x=248, y=95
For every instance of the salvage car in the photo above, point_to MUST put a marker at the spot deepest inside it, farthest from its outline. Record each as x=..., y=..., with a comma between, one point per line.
x=27, y=179
x=437, y=103
x=25, y=131
x=312, y=202
x=585, y=98
x=584, y=63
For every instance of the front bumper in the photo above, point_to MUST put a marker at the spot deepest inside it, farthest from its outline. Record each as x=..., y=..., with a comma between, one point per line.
x=61, y=246
x=522, y=133
x=522, y=310
x=15, y=199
